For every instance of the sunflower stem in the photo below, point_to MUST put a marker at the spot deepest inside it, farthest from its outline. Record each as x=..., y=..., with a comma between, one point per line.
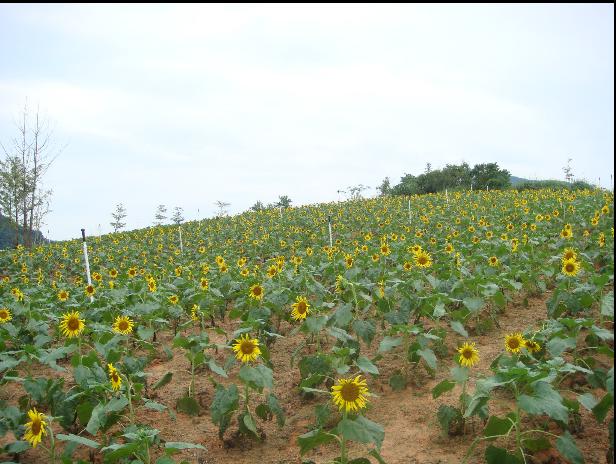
x=52, y=441
x=343, y=449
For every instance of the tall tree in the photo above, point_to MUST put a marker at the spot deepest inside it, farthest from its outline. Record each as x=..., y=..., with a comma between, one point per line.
x=118, y=216
x=160, y=216
x=178, y=217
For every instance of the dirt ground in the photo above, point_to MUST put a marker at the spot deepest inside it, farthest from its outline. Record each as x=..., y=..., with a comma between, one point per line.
x=412, y=434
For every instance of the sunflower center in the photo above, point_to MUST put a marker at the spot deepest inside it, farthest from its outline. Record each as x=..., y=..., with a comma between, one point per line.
x=301, y=307
x=349, y=392
x=422, y=260
x=123, y=325
x=256, y=291
x=247, y=347
x=36, y=426
x=4, y=314
x=514, y=343
x=467, y=353
x=114, y=377
x=73, y=323
x=570, y=267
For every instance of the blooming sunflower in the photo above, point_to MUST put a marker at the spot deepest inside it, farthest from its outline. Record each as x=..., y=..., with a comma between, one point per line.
x=205, y=284
x=348, y=261
x=300, y=308
x=349, y=394
x=123, y=325
x=173, y=299
x=71, y=325
x=423, y=259
x=514, y=342
x=35, y=429
x=90, y=290
x=256, y=292
x=493, y=261
x=62, y=295
x=407, y=266
x=114, y=377
x=246, y=349
x=469, y=355
x=570, y=268
x=569, y=254
x=532, y=346
x=5, y=315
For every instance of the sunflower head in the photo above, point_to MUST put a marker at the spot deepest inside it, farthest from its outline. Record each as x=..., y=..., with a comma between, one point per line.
x=423, y=259
x=114, y=377
x=493, y=261
x=246, y=349
x=469, y=355
x=532, y=346
x=90, y=290
x=123, y=325
x=570, y=268
x=350, y=394
x=300, y=308
x=256, y=292
x=35, y=429
x=514, y=342
x=62, y=295
x=71, y=325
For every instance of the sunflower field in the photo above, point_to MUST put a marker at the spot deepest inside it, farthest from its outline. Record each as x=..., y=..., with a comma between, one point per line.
x=467, y=327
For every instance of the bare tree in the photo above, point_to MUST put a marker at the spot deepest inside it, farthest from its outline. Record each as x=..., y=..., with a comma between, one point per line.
x=160, y=216
x=222, y=208
x=178, y=217
x=568, y=171
x=118, y=216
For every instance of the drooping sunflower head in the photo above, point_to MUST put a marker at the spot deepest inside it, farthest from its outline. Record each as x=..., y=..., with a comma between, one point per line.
x=300, y=308
x=256, y=292
x=514, y=342
x=532, y=346
x=123, y=325
x=246, y=349
x=350, y=394
x=469, y=355
x=5, y=315
x=348, y=261
x=570, y=268
x=35, y=429
x=71, y=325
x=114, y=377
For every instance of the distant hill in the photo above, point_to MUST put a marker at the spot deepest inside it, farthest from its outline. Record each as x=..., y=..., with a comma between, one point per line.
x=518, y=180
x=7, y=234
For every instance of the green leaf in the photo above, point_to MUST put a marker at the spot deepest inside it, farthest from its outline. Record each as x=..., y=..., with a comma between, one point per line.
x=375, y=454
x=447, y=416
x=258, y=377
x=473, y=303
x=164, y=380
x=180, y=445
x=366, y=365
x=457, y=327
x=545, y=400
x=314, y=324
x=312, y=439
x=187, y=405
x=429, y=357
x=343, y=315
x=145, y=333
x=249, y=422
x=557, y=346
x=116, y=404
x=496, y=455
x=364, y=329
x=216, y=368
x=362, y=430
x=442, y=387
x=225, y=402
x=536, y=444
x=607, y=305
x=604, y=406
x=96, y=418
x=497, y=426
x=565, y=444
x=397, y=382
x=154, y=405
x=460, y=374
x=588, y=400
x=388, y=343
x=274, y=405
x=77, y=439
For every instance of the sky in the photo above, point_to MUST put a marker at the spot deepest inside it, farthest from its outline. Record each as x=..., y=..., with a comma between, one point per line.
x=187, y=105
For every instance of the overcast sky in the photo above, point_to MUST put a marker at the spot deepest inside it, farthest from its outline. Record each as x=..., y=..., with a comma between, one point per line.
x=187, y=105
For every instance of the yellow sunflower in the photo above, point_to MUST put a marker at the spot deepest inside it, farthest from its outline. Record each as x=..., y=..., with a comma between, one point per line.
x=114, y=377
x=5, y=315
x=256, y=292
x=246, y=349
x=300, y=308
x=514, y=342
x=205, y=284
x=493, y=261
x=532, y=346
x=90, y=290
x=71, y=326
x=423, y=259
x=350, y=394
x=123, y=325
x=62, y=295
x=35, y=429
x=173, y=299
x=469, y=355
x=569, y=254
x=570, y=268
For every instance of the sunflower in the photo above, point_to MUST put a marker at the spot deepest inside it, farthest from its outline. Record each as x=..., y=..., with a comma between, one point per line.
x=300, y=308
x=407, y=266
x=349, y=394
x=514, y=342
x=114, y=376
x=566, y=233
x=532, y=346
x=5, y=315
x=132, y=272
x=62, y=295
x=193, y=312
x=173, y=299
x=493, y=261
x=246, y=349
x=204, y=283
x=123, y=325
x=151, y=286
x=348, y=261
x=569, y=254
x=469, y=355
x=71, y=325
x=423, y=259
x=256, y=292
x=223, y=268
x=272, y=271
x=35, y=429
x=375, y=257
x=90, y=290
x=570, y=268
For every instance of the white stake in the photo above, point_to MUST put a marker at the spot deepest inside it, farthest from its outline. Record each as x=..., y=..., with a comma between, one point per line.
x=329, y=223
x=181, y=244
x=85, y=257
x=447, y=196
x=280, y=209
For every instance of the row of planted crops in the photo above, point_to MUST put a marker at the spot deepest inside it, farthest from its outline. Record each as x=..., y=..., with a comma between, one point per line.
x=417, y=276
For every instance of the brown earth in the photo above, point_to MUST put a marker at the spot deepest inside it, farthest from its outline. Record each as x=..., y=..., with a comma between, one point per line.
x=412, y=434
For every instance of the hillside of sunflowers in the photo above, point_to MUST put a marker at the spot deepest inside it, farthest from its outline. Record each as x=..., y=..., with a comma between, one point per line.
x=444, y=328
